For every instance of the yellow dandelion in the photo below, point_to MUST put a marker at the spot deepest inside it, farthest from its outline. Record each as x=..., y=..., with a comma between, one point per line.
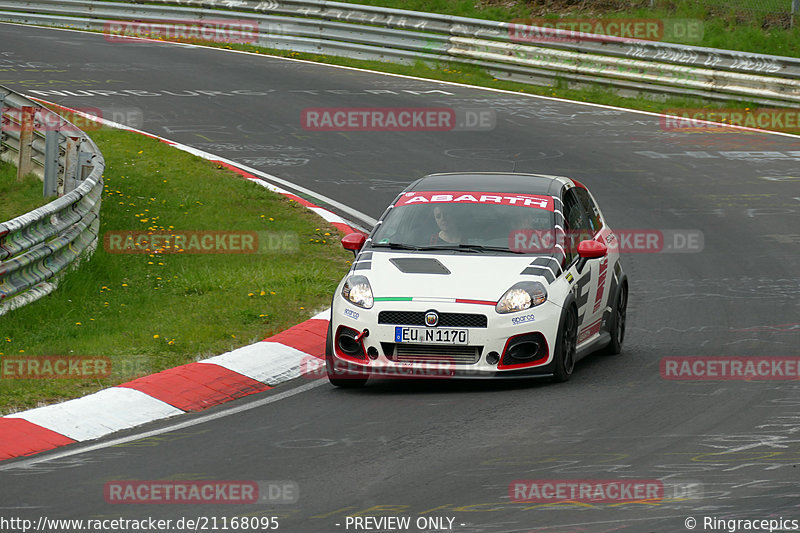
x=156, y=336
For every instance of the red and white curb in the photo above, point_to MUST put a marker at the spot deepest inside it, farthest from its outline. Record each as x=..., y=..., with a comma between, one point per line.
x=192, y=387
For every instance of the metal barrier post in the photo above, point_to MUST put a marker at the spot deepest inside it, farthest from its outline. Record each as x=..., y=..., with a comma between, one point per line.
x=50, y=187
x=2, y=114
x=84, y=165
x=25, y=163
x=70, y=164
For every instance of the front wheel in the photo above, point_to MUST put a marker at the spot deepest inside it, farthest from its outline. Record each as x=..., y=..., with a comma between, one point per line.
x=566, y=344
x=617, y=322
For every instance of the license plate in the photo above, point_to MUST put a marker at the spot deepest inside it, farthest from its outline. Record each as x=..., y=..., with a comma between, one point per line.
x=431, y=335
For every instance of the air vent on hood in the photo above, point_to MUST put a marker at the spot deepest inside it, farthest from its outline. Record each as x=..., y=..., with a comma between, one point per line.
x=419, y=265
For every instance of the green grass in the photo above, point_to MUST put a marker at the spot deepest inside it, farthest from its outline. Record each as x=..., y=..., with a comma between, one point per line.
x=149, y=312
x=18, y=197
x=752, y=26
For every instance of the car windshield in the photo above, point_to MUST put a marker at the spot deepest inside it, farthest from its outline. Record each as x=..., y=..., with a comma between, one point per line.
x=469, y=222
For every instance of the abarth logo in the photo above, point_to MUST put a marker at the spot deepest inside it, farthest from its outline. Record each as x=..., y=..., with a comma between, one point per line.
x=431, y=319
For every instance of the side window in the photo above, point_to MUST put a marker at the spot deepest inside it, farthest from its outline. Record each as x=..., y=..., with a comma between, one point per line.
x=591, y=210
x=578, y=223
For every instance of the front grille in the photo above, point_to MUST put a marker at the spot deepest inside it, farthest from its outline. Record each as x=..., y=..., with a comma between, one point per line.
x=435, y=353
x=446, y=320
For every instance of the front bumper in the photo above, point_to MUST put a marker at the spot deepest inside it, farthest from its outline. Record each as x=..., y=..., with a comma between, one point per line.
x=511, y=345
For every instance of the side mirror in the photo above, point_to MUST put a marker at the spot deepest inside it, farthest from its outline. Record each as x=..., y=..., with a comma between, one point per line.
x=354, y=242
x=590, y=250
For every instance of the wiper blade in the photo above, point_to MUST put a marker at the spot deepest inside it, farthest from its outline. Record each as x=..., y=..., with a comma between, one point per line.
x=395, y=246
x=473, y=248
x=481, y=248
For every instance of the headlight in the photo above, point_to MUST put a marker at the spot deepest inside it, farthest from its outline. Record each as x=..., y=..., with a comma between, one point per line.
x=357, y=291
x=521, y=296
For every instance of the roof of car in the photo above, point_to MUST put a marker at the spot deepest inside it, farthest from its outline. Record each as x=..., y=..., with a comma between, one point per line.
x=506, y=182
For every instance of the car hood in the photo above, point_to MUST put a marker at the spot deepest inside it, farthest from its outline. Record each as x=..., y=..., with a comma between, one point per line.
x=462, y=276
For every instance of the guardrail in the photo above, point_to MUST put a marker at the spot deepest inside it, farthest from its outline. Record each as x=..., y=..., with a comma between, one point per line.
x=37, y=246
x=368, y=32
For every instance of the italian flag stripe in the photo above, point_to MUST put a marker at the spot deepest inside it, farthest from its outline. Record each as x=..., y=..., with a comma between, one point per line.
x=423, y=299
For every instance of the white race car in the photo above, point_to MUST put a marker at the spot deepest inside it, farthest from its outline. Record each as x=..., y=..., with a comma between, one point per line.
x=479, y=275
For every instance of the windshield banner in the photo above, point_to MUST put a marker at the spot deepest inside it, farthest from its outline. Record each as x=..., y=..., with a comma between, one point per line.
x=466, y=197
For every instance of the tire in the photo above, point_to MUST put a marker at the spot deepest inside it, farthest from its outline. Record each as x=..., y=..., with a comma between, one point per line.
x=338, y=373
x=617, y=323
x=566, y=344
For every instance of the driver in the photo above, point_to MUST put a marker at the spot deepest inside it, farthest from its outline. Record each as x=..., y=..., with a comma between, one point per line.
x=449, y=230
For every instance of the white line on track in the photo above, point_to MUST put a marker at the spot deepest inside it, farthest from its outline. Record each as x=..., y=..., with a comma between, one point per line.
x=174, y=427
x=454, y=83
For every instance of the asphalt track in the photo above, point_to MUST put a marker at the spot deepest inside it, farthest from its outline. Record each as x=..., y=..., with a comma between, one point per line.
x=451, y=449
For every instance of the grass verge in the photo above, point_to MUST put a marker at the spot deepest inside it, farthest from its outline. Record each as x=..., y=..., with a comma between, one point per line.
x=18, y=197
x=763, y=27
x=148, y=312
